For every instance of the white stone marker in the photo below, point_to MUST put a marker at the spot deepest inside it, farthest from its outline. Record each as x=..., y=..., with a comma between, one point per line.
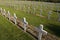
x=8, y=15
x=15, y=18
x=40, y=12
x=24, y=8
x=49, y=14
x=41, y=5
x=25, y=24
x=34, y=10
x=41, y=32
x=4, y=12
x=28, y=10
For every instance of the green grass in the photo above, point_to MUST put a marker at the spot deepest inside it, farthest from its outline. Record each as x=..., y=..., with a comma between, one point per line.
x=9, y=31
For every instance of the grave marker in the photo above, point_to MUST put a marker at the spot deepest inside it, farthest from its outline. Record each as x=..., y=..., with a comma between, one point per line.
x=40, y=12
x=4, y=12
x=24, y=8
x=41, y=6
x=41, y=32
x=8, y=15
x=15, y=18
x=49, y=14
x=34, y=10
x=28, y=10
x=25, y=24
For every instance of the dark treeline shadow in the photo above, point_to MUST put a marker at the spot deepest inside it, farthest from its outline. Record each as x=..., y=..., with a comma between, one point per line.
x=57, y=11
x=53, y=1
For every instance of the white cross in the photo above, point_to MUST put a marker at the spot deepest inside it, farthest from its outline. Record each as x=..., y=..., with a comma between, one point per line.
x=40, y=12
x=4, y=12
x=41, y=32
x=25, y=24
x=41, y=5
x=8, y=15
x=28, y=9
x=34, y=11
x=24, y=8
x=15, y=18
x=49, y=14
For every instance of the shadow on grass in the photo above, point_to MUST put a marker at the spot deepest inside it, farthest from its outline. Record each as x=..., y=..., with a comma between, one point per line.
x=57, y=11
x=55, y=29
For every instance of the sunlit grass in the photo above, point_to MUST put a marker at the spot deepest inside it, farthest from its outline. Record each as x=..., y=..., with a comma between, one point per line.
x=9, y=31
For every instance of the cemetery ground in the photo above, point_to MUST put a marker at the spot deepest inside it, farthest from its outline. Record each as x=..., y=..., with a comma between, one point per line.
x=9, y=31
x=52, y=26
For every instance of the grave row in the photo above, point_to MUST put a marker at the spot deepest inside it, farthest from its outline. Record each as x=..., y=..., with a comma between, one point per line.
x=33, y=10
x=30, y=8
x=39, y=30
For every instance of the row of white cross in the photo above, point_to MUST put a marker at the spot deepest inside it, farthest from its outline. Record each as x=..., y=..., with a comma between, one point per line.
x=40, y=11
x=25, y=23
x=34, y=10
x=8, y=14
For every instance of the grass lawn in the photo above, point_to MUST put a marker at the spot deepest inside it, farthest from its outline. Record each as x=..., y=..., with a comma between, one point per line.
x=9, y=31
